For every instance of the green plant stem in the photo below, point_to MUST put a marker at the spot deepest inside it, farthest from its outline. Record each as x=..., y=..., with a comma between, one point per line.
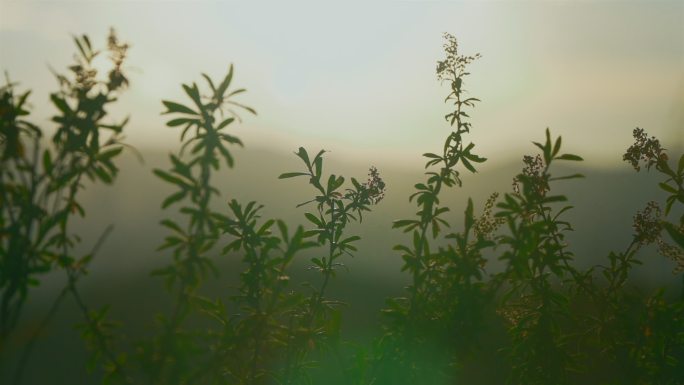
x=101, y=340
x=28, y=350
x=315, y=306
x=182, y=298
x=18, y=374
x=260, y=326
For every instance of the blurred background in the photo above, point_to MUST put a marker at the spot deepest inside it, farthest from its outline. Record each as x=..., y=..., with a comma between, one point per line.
x=356, y=79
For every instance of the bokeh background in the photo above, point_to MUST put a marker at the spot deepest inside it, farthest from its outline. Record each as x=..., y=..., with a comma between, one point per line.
x=357, y=79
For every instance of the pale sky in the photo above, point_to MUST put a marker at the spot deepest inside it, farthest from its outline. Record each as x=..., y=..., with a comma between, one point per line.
x=358, y=78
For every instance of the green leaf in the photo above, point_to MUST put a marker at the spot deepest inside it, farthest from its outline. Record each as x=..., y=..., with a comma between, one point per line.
x=318, y=166
x=226, y=82
x=86, y=40
x=266, y=226
x=467, y=165
x=311, y=233
x=334, y=183
x=318, y=262
x=403, y=223
x=169, y=178
x=573, y=176
x=433, y=156
x=402, y=248
x=80, y=46
x=570, y=157
x=172, y=225
x=60, y=103
x=283, y=229
x=180, y=167
x=561, y=211
x=314, y=219
x=667, y=188
x=319, y=155
x=474, y=158
x=554, y=198
x=209, y=81
x=175, y=107
x=75, y=206
x=250, y=109
x=102, y=173
x=304, y=156
x=225, y=123
x=22, y=99
x=556, y=146
x=547, y=147
x=47, y=162
x=353, y=238
x=674, y=232
x=106, y=155
x=171, y=199
x=231, y=139
x=291, y=175
x=238, y=91
x=181, y=121
x=193, y=93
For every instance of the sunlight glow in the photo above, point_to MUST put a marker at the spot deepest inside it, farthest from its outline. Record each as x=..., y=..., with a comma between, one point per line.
x=359, y=78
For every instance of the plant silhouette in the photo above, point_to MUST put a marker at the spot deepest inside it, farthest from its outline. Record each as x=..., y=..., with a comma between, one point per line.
x=540, y=319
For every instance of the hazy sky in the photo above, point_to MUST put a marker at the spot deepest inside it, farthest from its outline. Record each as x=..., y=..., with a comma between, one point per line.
x=358, y=78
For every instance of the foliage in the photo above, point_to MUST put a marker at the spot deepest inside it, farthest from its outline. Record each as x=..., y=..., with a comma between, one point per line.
x=539, y=320
x=40, y=181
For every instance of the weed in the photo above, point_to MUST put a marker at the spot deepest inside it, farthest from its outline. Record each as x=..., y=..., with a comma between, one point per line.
x=539, y=320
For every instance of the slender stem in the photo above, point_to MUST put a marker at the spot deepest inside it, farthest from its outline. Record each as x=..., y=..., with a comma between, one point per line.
x=100, y=338
x=197, y=231
x=53, y=309
x=261, y=320
x=315, y=306
x=28, y=350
